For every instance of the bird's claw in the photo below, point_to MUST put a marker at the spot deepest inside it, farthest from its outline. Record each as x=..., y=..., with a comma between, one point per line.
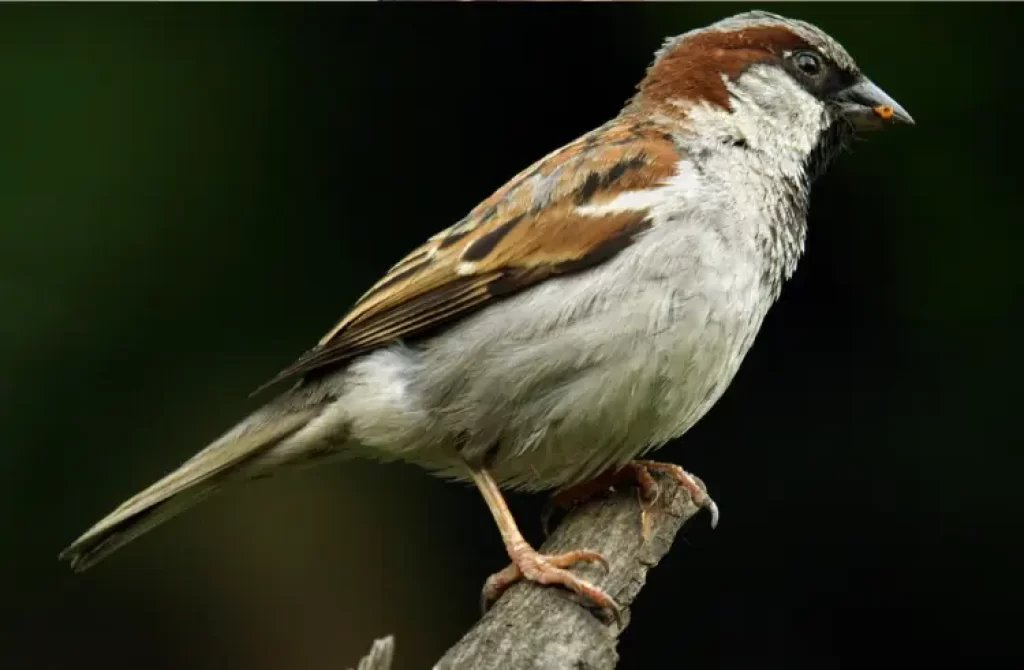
x=549, y=569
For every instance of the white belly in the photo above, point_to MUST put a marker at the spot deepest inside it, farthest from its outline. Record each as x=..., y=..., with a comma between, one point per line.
x=589, y=371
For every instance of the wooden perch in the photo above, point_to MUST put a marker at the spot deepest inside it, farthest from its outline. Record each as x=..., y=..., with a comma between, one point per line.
x=380, y=655
x=544, y=628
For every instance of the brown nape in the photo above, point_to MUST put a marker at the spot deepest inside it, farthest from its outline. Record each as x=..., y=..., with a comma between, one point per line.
x=692, y=69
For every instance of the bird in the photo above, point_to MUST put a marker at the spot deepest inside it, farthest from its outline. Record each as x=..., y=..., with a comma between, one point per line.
x=589, y=311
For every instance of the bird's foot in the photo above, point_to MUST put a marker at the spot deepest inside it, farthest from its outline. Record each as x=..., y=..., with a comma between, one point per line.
x=549, y=569
x=698, y=492
x=639, y=474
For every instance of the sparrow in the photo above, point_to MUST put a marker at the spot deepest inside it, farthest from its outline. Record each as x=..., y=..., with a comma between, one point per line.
x=593, y=308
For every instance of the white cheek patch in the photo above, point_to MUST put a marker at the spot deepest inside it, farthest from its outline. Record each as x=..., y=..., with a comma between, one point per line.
x=766, y=98
x=770, y=112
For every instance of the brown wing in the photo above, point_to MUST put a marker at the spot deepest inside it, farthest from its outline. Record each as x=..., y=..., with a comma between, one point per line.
x=529, y=230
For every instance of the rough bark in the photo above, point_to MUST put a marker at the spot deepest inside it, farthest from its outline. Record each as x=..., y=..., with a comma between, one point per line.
x=379, y=656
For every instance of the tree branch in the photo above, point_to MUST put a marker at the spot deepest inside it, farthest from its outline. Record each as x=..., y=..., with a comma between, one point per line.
x=379, y=656
x=545, y=627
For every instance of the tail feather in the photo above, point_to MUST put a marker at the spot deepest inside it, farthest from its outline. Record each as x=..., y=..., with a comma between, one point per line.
x=197, y=478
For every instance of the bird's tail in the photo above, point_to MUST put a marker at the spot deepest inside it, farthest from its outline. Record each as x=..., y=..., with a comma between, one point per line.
x=197, y=478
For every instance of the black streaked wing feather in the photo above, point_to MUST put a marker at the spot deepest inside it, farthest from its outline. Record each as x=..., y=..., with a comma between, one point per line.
x=527, y=231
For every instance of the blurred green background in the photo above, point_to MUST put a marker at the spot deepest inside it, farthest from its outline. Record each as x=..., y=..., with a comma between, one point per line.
x=192, y=194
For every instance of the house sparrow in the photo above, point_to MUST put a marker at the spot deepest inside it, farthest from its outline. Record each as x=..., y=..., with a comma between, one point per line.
x=592, y=309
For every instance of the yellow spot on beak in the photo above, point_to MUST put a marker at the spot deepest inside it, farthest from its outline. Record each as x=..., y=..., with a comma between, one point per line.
x=884, y=111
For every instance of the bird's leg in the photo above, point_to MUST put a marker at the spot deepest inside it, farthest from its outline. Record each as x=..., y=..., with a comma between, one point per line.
x=638, y=473
x=530, y=565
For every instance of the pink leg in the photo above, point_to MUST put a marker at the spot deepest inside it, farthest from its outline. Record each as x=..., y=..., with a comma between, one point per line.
x=530, y=565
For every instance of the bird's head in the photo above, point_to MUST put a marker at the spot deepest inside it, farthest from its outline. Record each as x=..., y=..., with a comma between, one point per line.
x=761, y=80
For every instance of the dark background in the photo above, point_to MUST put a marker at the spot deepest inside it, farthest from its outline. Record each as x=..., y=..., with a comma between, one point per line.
x=191, y=195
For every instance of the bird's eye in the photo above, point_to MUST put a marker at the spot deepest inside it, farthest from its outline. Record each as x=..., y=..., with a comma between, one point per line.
x=808, y=62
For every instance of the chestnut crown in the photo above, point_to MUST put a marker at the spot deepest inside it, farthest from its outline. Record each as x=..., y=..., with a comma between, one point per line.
x=698, y=66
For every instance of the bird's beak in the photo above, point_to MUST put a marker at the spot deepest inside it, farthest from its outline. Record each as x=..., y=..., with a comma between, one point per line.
x=868, y=107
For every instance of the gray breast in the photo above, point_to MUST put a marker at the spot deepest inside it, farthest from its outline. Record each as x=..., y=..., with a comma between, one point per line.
x=588, y=371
